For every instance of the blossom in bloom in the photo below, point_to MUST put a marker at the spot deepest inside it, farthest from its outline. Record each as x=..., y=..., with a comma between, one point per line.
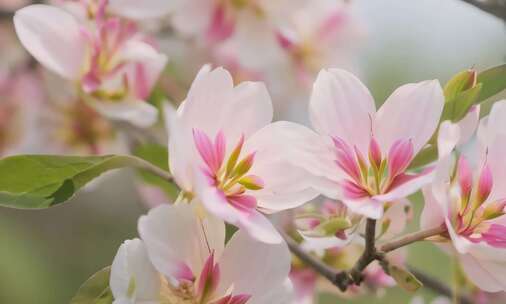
x=111, y=62
x=182, y=258
x=468, y=197
x=223, y=153
x=357, y=154
x=319, y=34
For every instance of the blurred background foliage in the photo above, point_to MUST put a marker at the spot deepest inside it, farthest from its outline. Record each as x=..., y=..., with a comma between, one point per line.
x=46, y=255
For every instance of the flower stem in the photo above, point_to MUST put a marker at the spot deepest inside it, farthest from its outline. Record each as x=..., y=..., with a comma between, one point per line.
x=411, y=238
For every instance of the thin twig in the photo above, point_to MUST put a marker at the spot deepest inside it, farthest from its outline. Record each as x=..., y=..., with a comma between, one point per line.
x=496, y=8
x=354, y=276
x=411, y=238
x=323, y=269
x=438, y=286
x=144, y=164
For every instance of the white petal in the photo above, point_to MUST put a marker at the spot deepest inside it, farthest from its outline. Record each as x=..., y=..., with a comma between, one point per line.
x=255, y=268
x=149, y=8
x=480, y=275
x=448, y=137
x=53, y=37
x=131, y=267
x=297, y=145
x=181, y=151
x=137, y=112
x=495, y=159
x=367, y=207
x=432, y=214
x=496, y=122
x=214, y=104
x=175, y=234
x=469, y=124
x=411, y=112
x=342, y=106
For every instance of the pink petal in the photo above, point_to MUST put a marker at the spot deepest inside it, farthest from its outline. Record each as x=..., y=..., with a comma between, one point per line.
x=206, y=150
x=220, y=28
x=406, y=184
x=399, y=157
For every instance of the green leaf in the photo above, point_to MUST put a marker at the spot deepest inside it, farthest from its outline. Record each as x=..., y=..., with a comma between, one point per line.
x=458, y=83
x=95, y=290
x=493, y=81
x=42, y=181
x=404, y=278
x=426, y=156
x=159, y=156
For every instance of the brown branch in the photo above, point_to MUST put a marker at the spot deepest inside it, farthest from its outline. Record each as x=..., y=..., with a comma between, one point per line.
x=354, y=276
x=438, y=286
x=496, y=8
x=411, y=238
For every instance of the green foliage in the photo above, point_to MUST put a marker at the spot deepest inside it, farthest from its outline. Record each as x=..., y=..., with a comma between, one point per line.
x=493, y=81
x=95, y=290
x=42, y=181
x=157, y=155
x=404, y=278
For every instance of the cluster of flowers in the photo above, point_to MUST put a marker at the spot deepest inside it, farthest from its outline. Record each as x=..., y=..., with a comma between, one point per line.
x=112, y=52
x=233, y=165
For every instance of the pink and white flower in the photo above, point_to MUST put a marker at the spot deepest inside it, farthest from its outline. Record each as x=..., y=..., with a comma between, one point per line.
x=224, y=154
x=196, y=266
x=470, y=201
x=113, y=65
x=357, y=154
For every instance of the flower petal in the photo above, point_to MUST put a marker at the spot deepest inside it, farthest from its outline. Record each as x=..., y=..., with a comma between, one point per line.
x=405, y=185
x=432, y=214
x=133, y=277
x=257, y=269
x=53, y=37
x=149, y=8
x=396, y=119
x=367, y=206
x=342, y=106
x=169, y=249
x=137, y=112
x=305, y=158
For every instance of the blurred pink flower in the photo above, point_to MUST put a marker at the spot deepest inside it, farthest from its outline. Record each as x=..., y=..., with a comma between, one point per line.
x=113, y=65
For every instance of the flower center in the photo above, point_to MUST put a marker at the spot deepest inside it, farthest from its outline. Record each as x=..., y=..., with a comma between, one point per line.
x=379, y=174
x=104, y=61
x=474, y=215
x=190, y=290
x=231, y=177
